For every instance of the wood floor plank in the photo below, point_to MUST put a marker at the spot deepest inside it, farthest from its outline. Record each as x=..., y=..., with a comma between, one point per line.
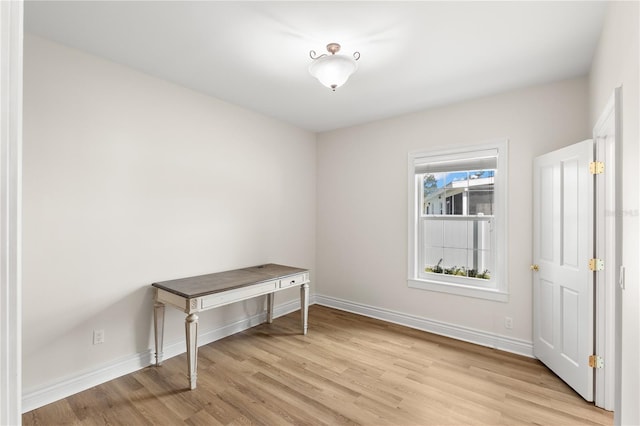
x=147, y=404
x=59, y=413
x=348, y=370
x=319, y=408
x=203, y=418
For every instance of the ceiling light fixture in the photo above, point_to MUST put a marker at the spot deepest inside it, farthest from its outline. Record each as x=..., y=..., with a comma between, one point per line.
x=333, y=70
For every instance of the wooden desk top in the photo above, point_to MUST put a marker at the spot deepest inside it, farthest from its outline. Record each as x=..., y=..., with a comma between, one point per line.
x=222, y=281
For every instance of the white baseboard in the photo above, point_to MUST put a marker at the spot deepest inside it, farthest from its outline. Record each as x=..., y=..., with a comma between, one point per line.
x=43, y=395
x=483, y=338
x=35, y=398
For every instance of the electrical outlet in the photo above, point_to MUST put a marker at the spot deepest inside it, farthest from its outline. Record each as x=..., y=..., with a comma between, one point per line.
x=508, y=322
x=98, y=337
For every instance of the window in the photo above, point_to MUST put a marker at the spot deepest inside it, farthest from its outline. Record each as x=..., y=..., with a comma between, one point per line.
x=457, y=221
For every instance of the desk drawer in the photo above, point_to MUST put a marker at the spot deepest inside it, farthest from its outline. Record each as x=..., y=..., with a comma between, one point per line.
x=294, y=280
x=231, y=296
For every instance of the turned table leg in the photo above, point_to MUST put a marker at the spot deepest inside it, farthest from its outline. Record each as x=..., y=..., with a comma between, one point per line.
x=158, y=317
x=304, y=306
x=191, y=325
x=270, y=308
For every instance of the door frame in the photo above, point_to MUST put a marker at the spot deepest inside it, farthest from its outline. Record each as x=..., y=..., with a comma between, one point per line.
x=11, y=48
x=608, y=232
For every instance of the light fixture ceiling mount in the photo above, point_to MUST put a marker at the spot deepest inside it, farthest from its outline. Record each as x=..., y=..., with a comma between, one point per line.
x=333, y=69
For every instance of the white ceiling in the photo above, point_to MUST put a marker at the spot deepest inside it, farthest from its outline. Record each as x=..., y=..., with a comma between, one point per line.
x=415, y=55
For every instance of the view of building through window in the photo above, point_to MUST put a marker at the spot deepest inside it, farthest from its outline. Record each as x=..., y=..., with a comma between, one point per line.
x=457, y=214
x=458, y=193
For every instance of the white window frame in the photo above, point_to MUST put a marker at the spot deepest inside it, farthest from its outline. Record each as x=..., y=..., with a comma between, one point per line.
x=497, y=287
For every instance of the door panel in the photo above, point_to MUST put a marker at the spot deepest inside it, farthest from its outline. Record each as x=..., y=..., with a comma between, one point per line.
x=562, y=247
x=570, y=321
x=546, y=312
x=569, y=223
x=546, y=211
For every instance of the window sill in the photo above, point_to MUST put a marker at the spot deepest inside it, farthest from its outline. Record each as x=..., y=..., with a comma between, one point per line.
x=460, y=290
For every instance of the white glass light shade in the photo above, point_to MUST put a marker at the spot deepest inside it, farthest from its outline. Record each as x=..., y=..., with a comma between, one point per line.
x=333, y=70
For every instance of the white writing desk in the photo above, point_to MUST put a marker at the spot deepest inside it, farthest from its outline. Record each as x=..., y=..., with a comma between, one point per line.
x=196, y=294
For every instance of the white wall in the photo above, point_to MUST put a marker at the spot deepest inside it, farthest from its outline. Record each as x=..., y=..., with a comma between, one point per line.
x=616, y=64
x=130, y=180
x=362, y=201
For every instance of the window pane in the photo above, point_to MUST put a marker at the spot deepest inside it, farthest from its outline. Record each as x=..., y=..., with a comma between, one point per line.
x=433, y=259
x=455, y=192
x=479, y=234
x=457, y=180
x=482, y=176
x=480, y=264
x=481, y=202
x=454, y=260
x=481, y=192
x=432, y=232
x=458, y=193
x=455, y=202
x=457, y=247
x=433, y=185
x=455, y=234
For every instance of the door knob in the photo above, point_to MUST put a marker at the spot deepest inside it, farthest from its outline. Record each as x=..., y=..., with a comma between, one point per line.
x=534, y=267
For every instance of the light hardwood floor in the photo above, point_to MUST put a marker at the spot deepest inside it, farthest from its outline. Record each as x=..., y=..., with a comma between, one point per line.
x=349, y=369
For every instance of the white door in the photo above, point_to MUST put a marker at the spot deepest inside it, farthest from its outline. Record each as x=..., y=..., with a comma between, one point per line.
x=563, y=313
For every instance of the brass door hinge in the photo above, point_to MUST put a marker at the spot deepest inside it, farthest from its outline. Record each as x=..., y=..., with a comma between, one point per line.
x=596, y=361
x=596, y=167
x=596, y=264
